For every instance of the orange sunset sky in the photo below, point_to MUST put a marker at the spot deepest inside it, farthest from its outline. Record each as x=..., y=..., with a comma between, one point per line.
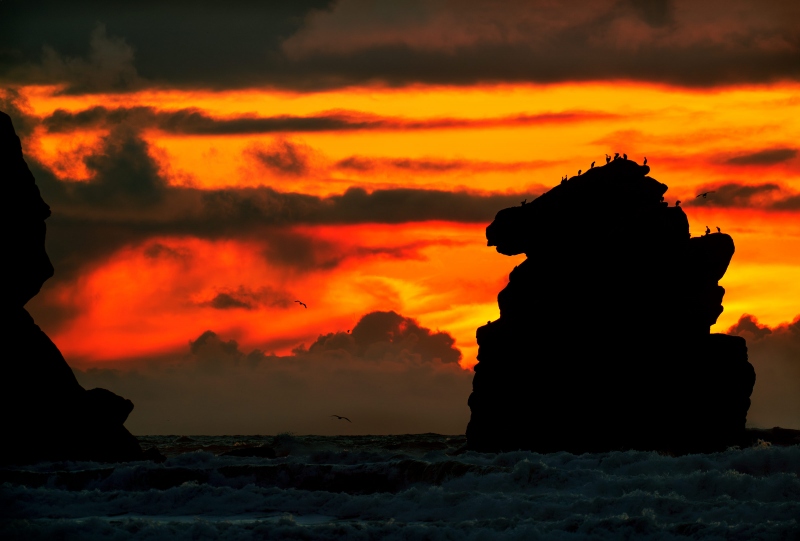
x=206, y=169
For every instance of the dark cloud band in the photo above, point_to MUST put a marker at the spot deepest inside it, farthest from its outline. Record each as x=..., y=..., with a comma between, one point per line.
x=765, y=196
x=319, y=44
x=196, y=122
x=367, y=374
x=775, y=354
x=128, y=201
x=769, y=156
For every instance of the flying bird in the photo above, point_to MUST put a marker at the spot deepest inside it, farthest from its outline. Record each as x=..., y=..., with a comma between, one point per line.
x=304, y=304
x=340, y=417
x=591, y=166
x=645, y=160
x=704, y=194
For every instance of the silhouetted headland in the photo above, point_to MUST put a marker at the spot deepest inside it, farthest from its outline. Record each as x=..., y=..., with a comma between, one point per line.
x=44, y=412
x=603, y=340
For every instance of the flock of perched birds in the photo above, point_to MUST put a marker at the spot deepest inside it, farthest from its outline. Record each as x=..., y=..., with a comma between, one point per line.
x=608, y=160
x=564, y=179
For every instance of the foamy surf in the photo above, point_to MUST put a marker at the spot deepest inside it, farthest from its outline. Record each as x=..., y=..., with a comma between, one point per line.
x=404, y=487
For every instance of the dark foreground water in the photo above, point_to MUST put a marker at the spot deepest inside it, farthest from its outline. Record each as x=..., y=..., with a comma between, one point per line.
x=403, y=487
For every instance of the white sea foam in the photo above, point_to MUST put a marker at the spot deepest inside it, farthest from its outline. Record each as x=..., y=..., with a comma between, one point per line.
x=407, y=488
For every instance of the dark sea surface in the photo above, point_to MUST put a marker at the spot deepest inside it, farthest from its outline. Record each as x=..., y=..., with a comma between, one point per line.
x=403, y=487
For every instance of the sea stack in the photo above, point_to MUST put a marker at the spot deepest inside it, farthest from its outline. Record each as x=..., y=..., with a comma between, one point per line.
x=603, y=340
x=44, y=412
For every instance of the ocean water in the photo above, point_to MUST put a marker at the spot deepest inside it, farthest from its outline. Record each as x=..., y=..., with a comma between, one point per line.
x=403, y=487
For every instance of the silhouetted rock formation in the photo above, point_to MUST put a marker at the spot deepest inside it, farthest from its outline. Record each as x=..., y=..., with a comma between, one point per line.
x=603, y=339
x=44, y=413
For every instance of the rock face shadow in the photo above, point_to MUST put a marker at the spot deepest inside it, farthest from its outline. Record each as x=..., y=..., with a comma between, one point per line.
x=44, y=412
x=603, y=340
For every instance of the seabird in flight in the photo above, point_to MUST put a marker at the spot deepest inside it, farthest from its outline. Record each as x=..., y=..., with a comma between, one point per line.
x=704, y=194
x=304, y=304
x=340, y=417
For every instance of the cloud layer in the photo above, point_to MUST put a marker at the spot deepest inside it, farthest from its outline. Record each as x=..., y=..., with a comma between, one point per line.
x=194, y=121
x=388, y=374
x=128, y=199
x=775, y=354
x=317, y=44
x=765, y=196
x=769, y=156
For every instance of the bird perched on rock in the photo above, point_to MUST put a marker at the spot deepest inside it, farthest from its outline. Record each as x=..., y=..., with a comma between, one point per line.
x=645, y=161
x=523, y=202
x=616, y=156
x=704, y=194
x=579, y=172
x=591, y=166
x=708, y=230
x=304, y=304
x=678, y=203
x=719, y=230
x=624, y=156
x=608, y=158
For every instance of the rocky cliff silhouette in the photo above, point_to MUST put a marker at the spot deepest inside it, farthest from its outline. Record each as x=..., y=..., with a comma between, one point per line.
x=603, y=340
x=44, y=412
